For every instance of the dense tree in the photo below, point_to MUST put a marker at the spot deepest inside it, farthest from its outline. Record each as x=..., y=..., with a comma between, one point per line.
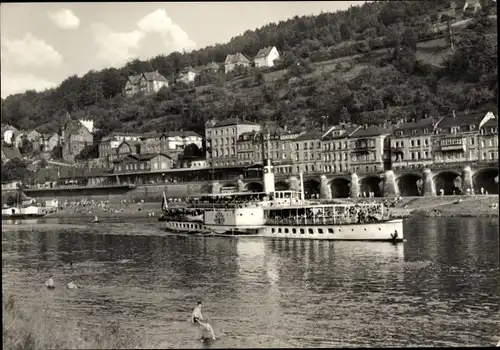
x=15, y=169
x=302, y=84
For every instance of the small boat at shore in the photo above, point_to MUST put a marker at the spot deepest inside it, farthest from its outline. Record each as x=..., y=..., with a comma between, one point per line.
x=19, y=213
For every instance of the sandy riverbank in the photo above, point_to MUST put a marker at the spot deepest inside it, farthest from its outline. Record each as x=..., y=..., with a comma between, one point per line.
x=426, y=206
x=131, y=210
x=478, y=206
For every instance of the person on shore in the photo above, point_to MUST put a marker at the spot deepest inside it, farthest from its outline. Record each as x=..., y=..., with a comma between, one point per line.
x=197, y=317
x=50, y=283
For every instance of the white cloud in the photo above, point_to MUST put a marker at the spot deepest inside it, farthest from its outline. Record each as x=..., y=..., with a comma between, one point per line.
x=64, y=19
x=29, y=51
x=116, y=48
x=20, y=82
x=174, y=37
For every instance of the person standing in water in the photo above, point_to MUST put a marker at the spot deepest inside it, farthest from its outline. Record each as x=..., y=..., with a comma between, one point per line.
x=197, y=317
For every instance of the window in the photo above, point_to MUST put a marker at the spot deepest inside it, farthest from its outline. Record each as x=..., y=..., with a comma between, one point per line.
x=294, y=230
x=330, y=230
x=302, y=231
x=320, y=231
x=311, y=231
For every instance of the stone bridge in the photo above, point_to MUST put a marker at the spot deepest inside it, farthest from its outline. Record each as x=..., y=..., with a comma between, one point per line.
x=445, y=179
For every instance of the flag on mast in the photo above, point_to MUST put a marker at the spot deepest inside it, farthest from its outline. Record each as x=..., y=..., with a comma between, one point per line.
x=164, y=204
x=486, y=119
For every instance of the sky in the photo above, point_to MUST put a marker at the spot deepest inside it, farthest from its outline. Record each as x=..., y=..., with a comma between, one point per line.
x=44, y=43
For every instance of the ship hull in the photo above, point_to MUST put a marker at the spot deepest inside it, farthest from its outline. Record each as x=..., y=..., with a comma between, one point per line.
x=21, y=216
x=379, y=232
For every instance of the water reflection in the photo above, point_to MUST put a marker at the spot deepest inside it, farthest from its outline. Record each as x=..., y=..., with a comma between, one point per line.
x=441, y=287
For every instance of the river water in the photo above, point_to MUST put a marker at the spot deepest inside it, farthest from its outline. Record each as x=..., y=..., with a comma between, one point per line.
x=440, y=288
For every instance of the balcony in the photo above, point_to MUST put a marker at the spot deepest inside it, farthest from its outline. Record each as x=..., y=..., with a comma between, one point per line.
x=452, y=148
x=363, y=148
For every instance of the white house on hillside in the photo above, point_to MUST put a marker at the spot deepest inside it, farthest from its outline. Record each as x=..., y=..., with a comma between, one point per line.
x=238, y=59
x=187, y=75
x=266, y=57
x=150, y=82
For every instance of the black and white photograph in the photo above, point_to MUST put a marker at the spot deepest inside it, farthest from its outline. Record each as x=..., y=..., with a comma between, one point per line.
x=250, y=174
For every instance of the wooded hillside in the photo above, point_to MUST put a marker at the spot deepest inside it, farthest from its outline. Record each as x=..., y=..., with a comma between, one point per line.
x=366, y=64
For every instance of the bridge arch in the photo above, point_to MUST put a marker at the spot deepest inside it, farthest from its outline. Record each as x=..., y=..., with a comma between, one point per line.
x=407, y=184
x=254, y=186
x=311, y=187
x=370, y=183
x=446, y=180
x=485, y=178
x=281, y=186
x=341, y=187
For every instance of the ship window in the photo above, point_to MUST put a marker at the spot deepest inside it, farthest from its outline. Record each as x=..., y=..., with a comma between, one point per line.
x=286, y=230
x=330, y=230
x=294, y=230
x=272, y=230
x=320, y=231
x=302, y=231
x=311, y=231
x=279, y=230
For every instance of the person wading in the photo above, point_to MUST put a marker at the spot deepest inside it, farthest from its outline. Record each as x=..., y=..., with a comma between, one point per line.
x=197, y=317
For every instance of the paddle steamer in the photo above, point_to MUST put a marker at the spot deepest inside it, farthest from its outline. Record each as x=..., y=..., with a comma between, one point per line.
x=287, y=214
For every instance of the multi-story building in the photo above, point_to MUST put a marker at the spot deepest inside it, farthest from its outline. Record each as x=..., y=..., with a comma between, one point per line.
x=75, y=137
x=455, y=138
x=367, y=149
x=266, y=57
x=335, y=145
x=275, y=143
x=143, y=162
x=150, y=82
x=187, y=75
x=221, y=140
x=488, y=139
x=411, y=144
x=307, y=152
x=238, y=59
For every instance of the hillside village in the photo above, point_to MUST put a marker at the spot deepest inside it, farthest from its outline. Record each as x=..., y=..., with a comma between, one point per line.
x=155, y=117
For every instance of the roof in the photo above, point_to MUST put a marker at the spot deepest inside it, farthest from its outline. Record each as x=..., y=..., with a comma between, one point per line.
x=154, y=76
x=180, y=133
x=370, y=130
x=8, y=127
x=349, y=130
x=461, y=119
x=211, y=65
x=312, y=134
x=419, y=124
x=11, y=153
x=237, y=58
x=264, y=52
x=72, y=126
x=130, y=143
x=149, y=76
x=139, y=157
x=188, y=70
x=234, y=121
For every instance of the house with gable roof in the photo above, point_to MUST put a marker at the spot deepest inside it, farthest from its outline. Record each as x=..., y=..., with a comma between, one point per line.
x=149, y=82
x=76, y=135
x=187, y=75
x=238, y=59
x=9, y=134
x=266, y=57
